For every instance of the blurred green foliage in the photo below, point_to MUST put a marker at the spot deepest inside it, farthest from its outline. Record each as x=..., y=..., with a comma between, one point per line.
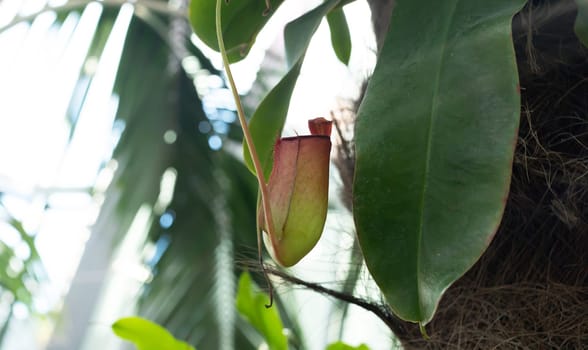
x=147, y=335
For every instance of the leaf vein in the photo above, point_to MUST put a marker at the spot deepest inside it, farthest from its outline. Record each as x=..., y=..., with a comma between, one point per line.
x=432, y=118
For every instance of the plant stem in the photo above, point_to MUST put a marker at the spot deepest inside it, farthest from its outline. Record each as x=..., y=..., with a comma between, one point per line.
x=269, y=224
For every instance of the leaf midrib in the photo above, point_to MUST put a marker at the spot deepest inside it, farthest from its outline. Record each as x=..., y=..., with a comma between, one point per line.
x=432, y=117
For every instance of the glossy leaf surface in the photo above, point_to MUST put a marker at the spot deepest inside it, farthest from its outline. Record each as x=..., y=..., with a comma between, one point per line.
x=251, y=305
x=268, y=120
x=147, y=335
x=241, y=22
x=435, y=138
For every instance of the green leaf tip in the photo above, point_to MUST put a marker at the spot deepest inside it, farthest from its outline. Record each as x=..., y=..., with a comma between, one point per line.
x=340, y=36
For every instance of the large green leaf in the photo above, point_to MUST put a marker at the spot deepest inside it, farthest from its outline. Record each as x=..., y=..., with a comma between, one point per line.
x=268, y=120
x=251, y=305
x=435, y=137
x=581, y=24
x=241, y=21
x=147, y=335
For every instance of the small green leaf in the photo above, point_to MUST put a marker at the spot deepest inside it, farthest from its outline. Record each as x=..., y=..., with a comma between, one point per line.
x=268, y=120
x=147, y=335
x=581, y=24
x=241, y=20
x=251, y=305
x=435, y=139
x=340, y=37
x=342, y=346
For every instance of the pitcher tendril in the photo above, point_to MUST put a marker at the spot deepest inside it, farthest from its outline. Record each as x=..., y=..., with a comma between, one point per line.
x=268, y=8
x=249, y=141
